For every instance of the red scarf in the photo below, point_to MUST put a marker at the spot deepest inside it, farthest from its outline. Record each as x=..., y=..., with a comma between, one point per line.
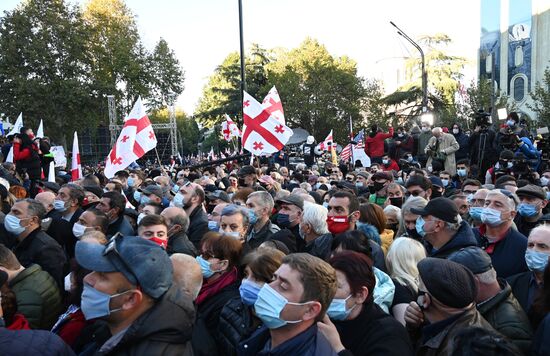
x=490, y=248
x=19, y=322
x=211, y=289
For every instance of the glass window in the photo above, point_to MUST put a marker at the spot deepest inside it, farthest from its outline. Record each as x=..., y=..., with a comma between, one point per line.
x=519, y=88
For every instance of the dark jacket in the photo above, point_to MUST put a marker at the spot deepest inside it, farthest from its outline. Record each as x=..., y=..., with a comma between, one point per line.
x=27, y=160
x=237, y=323
x=179, y=243
x=198, y=225
x=541, y=341
x=374, y=332
x=41, y=249
x=311, y=342
x=463, y=238
x=320, y=247
x=441, y=343
x=38, y=297
x=255, y=239
x=32, y=342
x=165, y=329
x=462, y=139
x=506, y=316
x=525, y=226
x=521, y=283
x=508, y=255
x=61, y=231
x=120, y=225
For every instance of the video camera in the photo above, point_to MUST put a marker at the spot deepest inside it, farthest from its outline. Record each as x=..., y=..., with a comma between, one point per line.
x=482, y=119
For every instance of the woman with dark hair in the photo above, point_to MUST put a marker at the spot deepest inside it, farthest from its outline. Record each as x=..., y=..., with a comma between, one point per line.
x=540, y=317
x=360, y=326
x=238, y=320
x=374, y=215
x=26, y=158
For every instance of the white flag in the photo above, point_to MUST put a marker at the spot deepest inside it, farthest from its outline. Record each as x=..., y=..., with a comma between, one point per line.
x=76, y=168
x=17, y=126
x=40, y=131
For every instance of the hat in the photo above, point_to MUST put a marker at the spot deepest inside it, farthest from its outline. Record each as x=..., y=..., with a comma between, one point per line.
x=54, y=187
x=348, y=186
x=292, y=199
x=363, y=174
x=449, y=282
x=246, y=170
x=218, y=194
x=267, y=180
x=141, y=261
x=152, y=189
x=382, y=175
x=506, y=154
x=473, y=258
x=96, y=190
x=436, y=181
x=531, y=190
x=310, y=140
x=442, y=208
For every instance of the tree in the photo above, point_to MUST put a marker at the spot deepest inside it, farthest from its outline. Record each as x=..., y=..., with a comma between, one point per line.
x=478, y=96
x=373, y=108
x=44, y=67
x=167, y=75
x=541, y=98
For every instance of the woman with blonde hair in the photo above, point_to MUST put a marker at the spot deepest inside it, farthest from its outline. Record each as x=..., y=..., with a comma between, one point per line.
x=401, y=261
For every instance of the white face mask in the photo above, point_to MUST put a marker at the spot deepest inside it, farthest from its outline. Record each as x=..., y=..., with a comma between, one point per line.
x=78, y=230
x=67, y=282
x=456, y=131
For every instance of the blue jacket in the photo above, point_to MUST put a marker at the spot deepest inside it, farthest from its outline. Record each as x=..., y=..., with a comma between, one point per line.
x=530, y=152
x=32, y=342
x=384, y=290
x=464, y=237
x=508, y=255
x=541, y=341
x=308, y=343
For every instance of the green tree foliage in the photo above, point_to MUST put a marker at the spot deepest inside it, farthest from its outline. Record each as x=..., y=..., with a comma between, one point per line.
x=167, y=75
x=541, y=97
x=479, y=97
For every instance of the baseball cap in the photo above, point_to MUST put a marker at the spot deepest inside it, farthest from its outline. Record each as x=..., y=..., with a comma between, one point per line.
x=292, y=199
x=141, y=261
x=152, y=189
x=218, y=194
x=473, y=258
x=442, y=208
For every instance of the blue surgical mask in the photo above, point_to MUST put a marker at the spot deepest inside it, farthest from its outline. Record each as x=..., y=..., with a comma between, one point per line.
x=205, y=267
x=337, y=309
x=475, y=213
x=131, y=182
x=137, y=196
x=527, y=210
x=234, y=234
x=511, y=123
x=400, y=181
x=325, y=204
x=269, y=306
x=445, y=182
x=140, y=217
x=59, y=205
x=544, y=181
x=283, y=220
x=420, y=226
x=409, y=158
x=536, y=261
x=249, y=292
x=13, y=224
x=252, y=217
x=491, y=217
x=470, y=198
x=213, y=225
x=461, y=172
x=359, y=184
x=144, y=199
x=95, y=304
x=178, y=200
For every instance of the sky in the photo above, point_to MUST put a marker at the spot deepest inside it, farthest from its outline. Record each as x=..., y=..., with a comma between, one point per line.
x=203, y=32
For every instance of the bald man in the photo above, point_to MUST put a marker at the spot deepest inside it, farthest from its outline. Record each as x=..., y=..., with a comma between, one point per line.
x=187, y=274
x=47, y=199
x=178, y=223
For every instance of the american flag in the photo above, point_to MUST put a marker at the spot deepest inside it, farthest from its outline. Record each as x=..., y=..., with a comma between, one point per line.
x=346, y=152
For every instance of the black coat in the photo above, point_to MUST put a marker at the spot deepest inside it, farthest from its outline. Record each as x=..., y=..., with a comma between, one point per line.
x=198, y=225
x=464, y=237
x=520, y=288
x=41, y=249
x=374, y=332
x=237, y=323
x=179, y=243
x=61, y=231
x=255, y=239
x=462, y=139
x=32, y=342
x=120, y=225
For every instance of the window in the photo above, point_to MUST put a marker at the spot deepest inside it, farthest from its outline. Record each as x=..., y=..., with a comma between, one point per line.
x=519, y=87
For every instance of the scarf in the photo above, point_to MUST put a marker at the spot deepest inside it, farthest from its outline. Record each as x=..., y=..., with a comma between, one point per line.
x=211, y=289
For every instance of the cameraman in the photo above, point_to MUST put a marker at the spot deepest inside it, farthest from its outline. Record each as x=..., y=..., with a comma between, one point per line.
x=501, y=168
x=483, y=152
x=505, y=134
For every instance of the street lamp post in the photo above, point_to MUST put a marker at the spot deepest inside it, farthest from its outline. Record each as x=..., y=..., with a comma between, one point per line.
x=243, y=83
x=424, y=73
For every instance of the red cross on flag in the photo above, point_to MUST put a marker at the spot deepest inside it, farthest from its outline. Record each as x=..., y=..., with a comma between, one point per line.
x=273, y=105
x=327, y=143
x=230, y=129
x=263, y=133
x=136, y=138
x=76, y=168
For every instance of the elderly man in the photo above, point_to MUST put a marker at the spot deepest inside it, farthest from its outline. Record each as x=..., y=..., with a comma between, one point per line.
x=442, y=228
x=314, y=231
x=441, y=150
x=505, y=245
x=178, y=223
x=130, y=289
x=532, y=202
x=187, y=274
x=193, y=199
x=235, y=222
x=215, y=216
x=261, y=204
x=494, y=298
x=527, y=285
x=47, y=200
x=477, y=203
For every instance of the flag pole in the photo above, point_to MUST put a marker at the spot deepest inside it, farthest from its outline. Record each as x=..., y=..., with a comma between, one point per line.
x=160, y=163
x=352, y=161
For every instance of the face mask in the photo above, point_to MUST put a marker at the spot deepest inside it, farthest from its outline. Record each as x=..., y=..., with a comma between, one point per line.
x=413, y=234
x=178, y=200
x=430, y=169
x=400, y=181
x=283, y=220
x=456, y=131
x=337, y=224
x=161, y=242
x=536, y=261
x=144, y=199
x=137, y=196
x=425, y=129
x=249, y=292
x=325, y=204
x=398, y=202
x=13, y=224
x=461, y=172
x=420, y=226
x=510, y=123
x=475, y=213
x=359, y=184
x=205, y=267
x=78, y=230
x=130, y=182
x=435, y=194
x=337, y=309
x=95, y=304
x=491, y=217
x=445, y=182
x=385, y=161
x=409, y=159
x=399, y=135
x=234, y=234
x=527, y=210
x=252, y=217
x=269, y=305
x=470, y=198
x=67, y=283
x=378, y=186
x=544, y=181
x=213, y=225
x=510, y=164
x=210, y=208
x=59, y=205
x=241, y=182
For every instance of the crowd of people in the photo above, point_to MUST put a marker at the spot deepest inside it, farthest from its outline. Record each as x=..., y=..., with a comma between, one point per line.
x=415, y=254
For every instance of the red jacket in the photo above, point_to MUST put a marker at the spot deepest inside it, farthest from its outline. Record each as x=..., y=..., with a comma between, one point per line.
x=374, y=146
x=393, y=166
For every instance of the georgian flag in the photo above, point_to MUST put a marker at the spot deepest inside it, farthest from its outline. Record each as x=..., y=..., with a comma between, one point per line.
x=327, y=143
x=230, y=129
x=273, y=105
x=76, y=168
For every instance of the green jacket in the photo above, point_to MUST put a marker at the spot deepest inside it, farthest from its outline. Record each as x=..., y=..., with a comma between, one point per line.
x=506, y=316
x=37, y=296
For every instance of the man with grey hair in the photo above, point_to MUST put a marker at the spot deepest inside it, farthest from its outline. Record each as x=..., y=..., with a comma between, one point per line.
x=441, y=150
x=32, y=244
x=494, y=299
x=495, y=235
x=177, y=222
x=442, y=229
x=235, y=221
x=261, y=205
x=187, y=274
x=314, y=230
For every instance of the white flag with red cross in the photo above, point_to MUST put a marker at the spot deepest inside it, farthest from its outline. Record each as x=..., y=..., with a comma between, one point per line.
x=230, y=129
x=263, y=133
x=135, y=140
x=76, y=168
x=327, y=143
x=273, y=105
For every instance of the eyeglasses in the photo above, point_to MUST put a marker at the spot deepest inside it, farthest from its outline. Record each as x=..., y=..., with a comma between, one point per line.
x=414, y=194
x=111, y=251
x=207, y=255
x=467, y=192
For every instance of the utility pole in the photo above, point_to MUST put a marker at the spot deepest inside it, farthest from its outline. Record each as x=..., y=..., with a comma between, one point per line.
x=243, y=83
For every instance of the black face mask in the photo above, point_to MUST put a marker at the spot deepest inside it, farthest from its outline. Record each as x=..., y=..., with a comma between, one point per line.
x=241, y=182
x=393, y=227
x=210, y=208
x=371, y=189
x=435, y=194
x=398, y=202
x=378, y=186
x=414, y=235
